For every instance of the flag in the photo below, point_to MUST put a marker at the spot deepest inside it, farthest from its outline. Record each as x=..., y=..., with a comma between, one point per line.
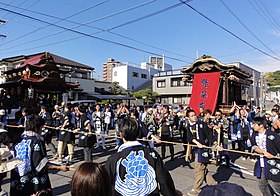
x=205, y=90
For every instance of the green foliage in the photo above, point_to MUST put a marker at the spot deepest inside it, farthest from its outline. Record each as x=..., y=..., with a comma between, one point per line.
x=116, y=89
x=272, y=79
x=146, y=94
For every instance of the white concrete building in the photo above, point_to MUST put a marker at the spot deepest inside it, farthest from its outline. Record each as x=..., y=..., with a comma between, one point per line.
x=131, y=77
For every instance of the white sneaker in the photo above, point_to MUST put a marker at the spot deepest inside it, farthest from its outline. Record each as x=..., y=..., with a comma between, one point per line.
x=67, y=158
x=3, y=193
x=192, y=193
x=96, y=147
x=117, y=147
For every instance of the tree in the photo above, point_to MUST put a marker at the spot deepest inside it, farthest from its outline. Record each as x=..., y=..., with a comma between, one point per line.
x=116, y=89
x=272, y=79
x=146, y=94
x=128, y=92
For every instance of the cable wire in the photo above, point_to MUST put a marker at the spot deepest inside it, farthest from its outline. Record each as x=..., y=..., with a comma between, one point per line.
x=269, y=13
x=91, y=36
x=75, y=14
x=66, y=19
x=254, y=35
x=228, y=31
x=263, y=17
x=103, y=30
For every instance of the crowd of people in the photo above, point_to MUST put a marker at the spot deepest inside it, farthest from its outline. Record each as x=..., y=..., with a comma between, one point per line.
x=137, y=168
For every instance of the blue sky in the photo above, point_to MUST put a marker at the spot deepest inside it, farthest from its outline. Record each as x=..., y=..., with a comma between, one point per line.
x=179, y=33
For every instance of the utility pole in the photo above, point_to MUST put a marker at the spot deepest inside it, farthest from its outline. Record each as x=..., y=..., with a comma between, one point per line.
x=263, y=91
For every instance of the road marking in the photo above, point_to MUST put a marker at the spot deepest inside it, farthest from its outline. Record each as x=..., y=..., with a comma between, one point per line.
x=242, y=171
x=236, y=165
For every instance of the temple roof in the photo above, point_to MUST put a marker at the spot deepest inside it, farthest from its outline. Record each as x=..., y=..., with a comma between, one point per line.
x=35, y=59
x=208, y=64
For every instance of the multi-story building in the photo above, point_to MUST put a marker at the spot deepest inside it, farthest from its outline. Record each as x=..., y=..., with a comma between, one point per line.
x=253, y=93
x=131, y=76
x=159, y=63
x=107, y=70
x=171, y=88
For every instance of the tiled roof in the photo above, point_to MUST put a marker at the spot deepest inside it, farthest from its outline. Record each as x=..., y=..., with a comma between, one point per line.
x=61, y=60
x=57, y=59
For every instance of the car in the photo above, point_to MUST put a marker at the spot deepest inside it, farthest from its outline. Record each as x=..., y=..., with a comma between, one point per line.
x=84, y=102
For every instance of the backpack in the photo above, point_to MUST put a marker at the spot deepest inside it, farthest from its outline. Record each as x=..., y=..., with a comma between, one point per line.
x=23, y=151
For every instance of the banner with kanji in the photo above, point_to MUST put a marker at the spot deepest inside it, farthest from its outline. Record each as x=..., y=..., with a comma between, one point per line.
x=205, y=91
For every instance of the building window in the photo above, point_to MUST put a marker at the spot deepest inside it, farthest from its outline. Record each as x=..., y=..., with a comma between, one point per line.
x=177, y=100
x=135, y=74
x=164, y=100
x=187, y=83
x=176, y=82
x=115, y=73
x=161, y=83
x=144, y=76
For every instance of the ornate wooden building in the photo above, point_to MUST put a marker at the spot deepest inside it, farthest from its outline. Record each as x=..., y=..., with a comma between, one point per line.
x=40, y=76
x=233, y=80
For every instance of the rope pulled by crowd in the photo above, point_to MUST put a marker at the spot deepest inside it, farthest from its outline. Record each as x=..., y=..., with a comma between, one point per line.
x=157, y=140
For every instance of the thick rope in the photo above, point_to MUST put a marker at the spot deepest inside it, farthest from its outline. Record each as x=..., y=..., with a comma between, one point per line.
x=76, y=131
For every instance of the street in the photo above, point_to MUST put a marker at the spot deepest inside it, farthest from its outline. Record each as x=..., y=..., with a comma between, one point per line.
x=240, y=172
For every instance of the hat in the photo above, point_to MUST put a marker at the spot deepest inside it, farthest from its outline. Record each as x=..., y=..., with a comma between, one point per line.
x=7, y=161
x=2, y=130
x=2, y=112
x=150, y=109
x=224, y=189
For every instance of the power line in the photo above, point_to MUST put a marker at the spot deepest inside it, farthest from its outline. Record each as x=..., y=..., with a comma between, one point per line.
x=75, y=14
x=149, y=45
x=103, y=30
x=228, y=31
x=88, y=35
x=264, y=17
x=79, y=24
x=121, y=12
x=6, y=6
x=147, y=16
x=18, y=6
x=269, y=13
x=254, y=35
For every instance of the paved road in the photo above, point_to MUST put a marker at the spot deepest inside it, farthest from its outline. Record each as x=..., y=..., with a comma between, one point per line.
x=240, y=172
